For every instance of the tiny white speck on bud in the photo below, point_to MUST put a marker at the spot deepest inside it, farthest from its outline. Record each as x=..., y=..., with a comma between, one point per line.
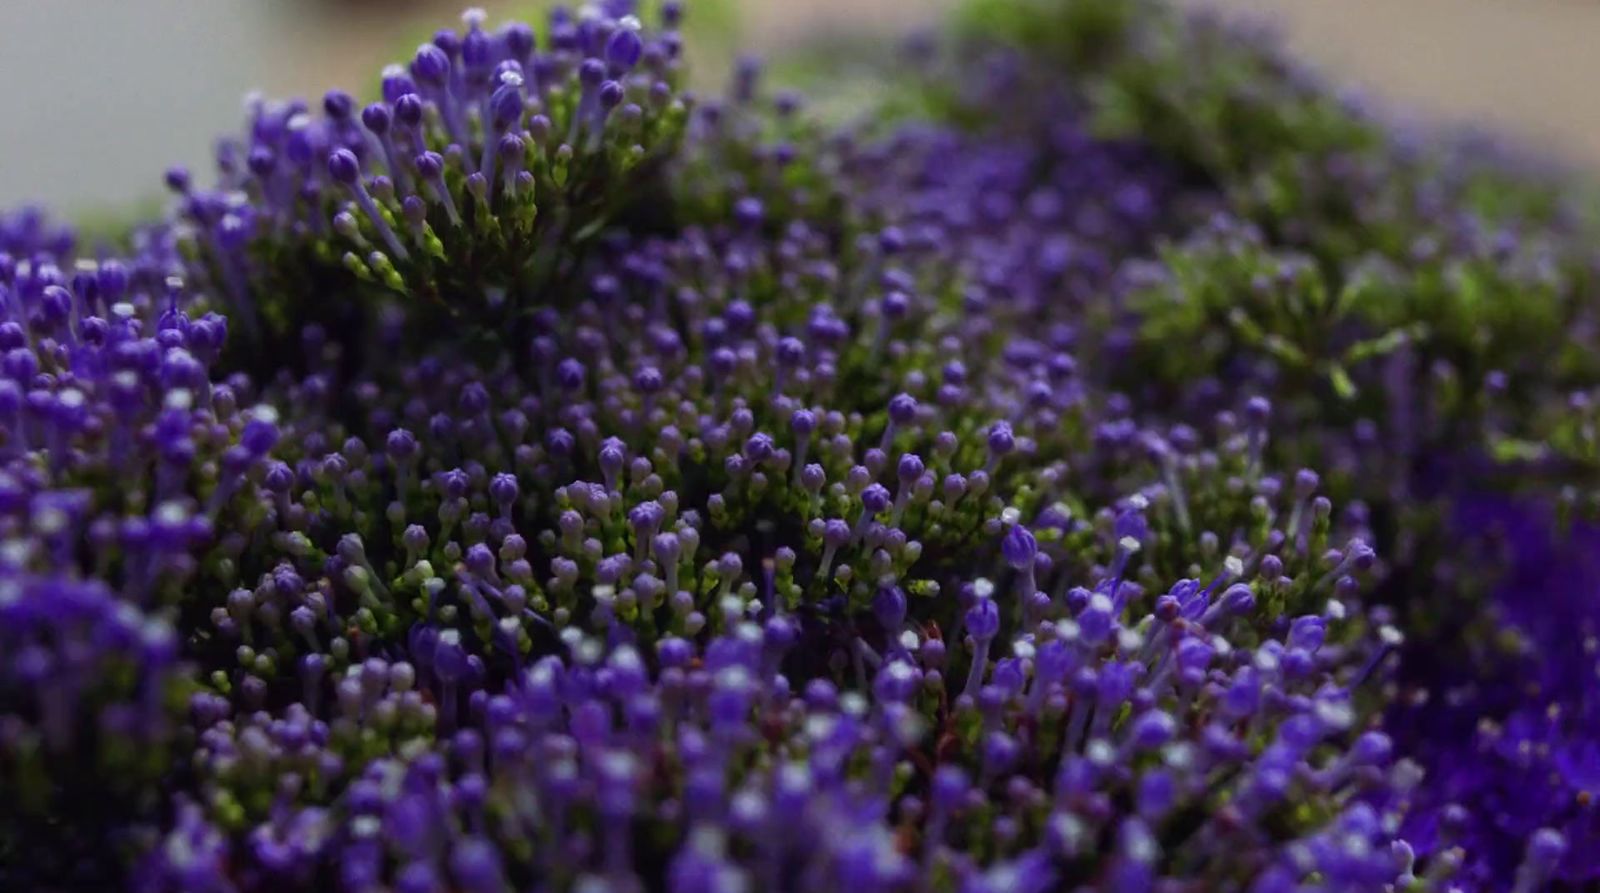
x=1100, y=752
x=15, y=552
x=590, y=651
x=1336, y=715
x=49, y=521
x=171, y=512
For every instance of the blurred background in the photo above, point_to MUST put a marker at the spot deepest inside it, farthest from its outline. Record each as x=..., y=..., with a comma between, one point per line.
x=99, y=97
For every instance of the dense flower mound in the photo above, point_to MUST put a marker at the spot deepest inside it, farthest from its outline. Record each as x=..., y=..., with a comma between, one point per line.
x=489, y=160
x=1421, y=311
x=547, y=478
x=1519, y=742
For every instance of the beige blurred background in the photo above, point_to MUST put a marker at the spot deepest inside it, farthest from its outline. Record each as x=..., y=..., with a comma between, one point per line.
x=97, y=97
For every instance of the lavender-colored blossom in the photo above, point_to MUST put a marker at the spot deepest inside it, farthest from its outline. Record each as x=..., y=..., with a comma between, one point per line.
x=544, y=475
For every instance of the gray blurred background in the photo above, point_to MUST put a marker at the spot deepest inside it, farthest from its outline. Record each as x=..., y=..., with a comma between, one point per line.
x=97, y=97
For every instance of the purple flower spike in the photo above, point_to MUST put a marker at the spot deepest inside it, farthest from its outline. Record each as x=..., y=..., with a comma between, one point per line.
x=983, y=624
x=344, y=168
x=430, y=167
x=623, y=49
x=1019, y=547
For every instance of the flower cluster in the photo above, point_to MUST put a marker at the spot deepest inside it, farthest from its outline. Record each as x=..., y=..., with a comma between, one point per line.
x=474, y=180
x=547, y=478
x=1420, y=310
x=1517, y=740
